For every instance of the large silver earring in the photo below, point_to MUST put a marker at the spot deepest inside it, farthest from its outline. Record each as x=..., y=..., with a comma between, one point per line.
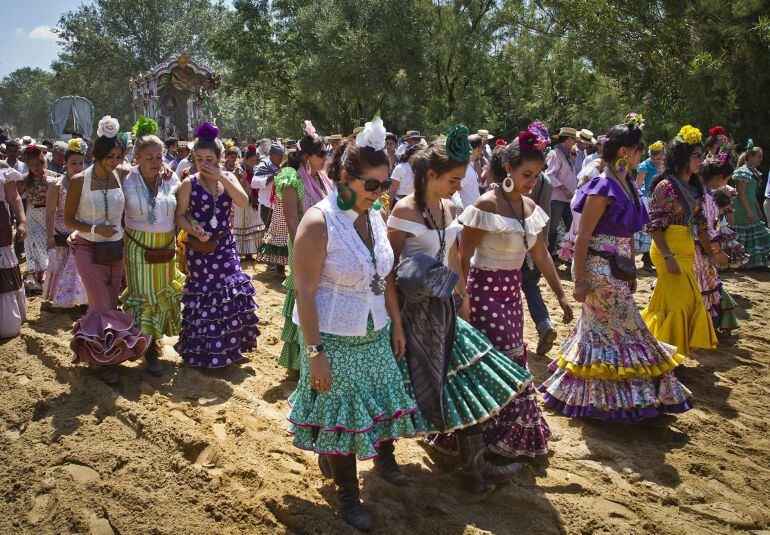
x=508, y=184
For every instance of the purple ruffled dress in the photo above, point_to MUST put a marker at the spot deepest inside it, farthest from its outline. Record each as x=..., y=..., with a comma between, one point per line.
x=219, y=318
x=612, y=367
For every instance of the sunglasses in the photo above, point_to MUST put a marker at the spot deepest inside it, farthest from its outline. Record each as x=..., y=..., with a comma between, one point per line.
x=322, y=153
x=371, y=184
x=697, y=155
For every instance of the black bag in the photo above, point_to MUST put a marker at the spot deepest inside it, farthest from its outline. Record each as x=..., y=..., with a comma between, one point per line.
x=60, y=240
x=108, y=252
x=621, y=267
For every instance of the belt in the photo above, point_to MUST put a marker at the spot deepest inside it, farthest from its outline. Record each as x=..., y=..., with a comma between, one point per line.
x=38, y=206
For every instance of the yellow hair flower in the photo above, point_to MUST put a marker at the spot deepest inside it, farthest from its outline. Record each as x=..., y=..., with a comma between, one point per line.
x=690, y=135
x=229, y=144
x=75, y=144
x=657, y=146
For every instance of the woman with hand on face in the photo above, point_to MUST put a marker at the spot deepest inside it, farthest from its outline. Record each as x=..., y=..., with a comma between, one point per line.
x=476, y=380
x=498, y=231
x=612, y=367
x=350, y=400
x=676, y=314
x=13, y=301
x=94, y=210
x=62, y=287
x=219, y=319
x=298, y=191
x=154, y=284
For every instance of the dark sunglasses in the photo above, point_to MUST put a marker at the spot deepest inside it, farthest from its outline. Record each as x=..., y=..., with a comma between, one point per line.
x=322, y=153
x=371, y=184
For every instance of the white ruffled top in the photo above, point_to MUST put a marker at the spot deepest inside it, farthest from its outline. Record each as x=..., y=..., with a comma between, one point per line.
x=502, y=245
x=423, y=239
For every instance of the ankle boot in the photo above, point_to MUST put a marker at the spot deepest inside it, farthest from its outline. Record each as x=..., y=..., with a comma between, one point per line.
x=152, y=359
x=387, y=466
x=478, y=473
x=346, y=479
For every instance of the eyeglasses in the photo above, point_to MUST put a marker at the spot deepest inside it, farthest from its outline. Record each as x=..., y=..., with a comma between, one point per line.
x=371, y=184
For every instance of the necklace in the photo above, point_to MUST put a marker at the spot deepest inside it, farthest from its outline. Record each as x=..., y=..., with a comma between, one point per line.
x=104, y=194
x=440, y=231
x=151, y=196
x=623, y=184
x=214, y=222
x=378, y=283
x=521, y=220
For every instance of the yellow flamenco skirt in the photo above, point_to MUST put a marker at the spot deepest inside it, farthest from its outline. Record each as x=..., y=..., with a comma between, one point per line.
x=676, y=314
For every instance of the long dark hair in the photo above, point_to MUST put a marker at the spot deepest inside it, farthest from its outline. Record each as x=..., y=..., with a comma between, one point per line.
x=436, y=158
x=512, y=155
x=678, y=160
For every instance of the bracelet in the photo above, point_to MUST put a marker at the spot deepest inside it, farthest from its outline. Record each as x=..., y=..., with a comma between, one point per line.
x=581, y=282
x=668, y=256
x=462, y=294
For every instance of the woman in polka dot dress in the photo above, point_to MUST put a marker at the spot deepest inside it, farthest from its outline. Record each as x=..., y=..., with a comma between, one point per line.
x=219, y=320
x=498, y=230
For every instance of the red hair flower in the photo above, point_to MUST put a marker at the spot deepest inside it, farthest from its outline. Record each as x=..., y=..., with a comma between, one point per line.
x=527, y=141
x=717, y=131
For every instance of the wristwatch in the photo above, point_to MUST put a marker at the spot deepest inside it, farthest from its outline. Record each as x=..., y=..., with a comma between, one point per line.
x=313, y=350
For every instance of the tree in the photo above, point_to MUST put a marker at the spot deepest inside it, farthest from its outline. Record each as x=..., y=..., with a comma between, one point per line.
x=25, y=101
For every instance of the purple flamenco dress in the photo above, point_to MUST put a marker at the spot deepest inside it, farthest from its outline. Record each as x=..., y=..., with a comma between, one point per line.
x=219, y=318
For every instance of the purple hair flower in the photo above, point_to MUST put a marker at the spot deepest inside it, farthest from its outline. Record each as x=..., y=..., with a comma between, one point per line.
x=207, y=131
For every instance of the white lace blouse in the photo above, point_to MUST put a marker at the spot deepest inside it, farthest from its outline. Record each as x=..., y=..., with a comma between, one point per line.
x=91, y=209
x=502, y=245
x=344, y=299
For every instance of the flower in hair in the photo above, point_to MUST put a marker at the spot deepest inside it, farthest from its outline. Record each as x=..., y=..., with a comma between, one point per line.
x=543, y=136
x=717, y=131
x=723, y=157
x=500, y=142
x=251, y=148
x=76, y=145
x=528, y=141
x=309, y=129
x=108, y=127
x=457, y=146
x=229, y=143
x=749, y=144
x=689, y=134
x=144, y=126
x=635, y=119
x=657, y=146
x=373, y=134
x=207, y=131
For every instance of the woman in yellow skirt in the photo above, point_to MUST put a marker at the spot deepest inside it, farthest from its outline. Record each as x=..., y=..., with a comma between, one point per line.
x=676, y=314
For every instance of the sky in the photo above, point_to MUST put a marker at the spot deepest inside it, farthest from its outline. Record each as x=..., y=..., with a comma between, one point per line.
x=25, y=27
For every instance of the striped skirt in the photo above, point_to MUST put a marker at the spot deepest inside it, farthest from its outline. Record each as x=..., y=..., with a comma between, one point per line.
x=153, y=291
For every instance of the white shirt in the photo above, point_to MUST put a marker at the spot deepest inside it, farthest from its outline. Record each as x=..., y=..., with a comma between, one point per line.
x=403, y=173
x=91, y=209
x=469, y=187
x=590, y=158
x=423, y=239
x=502, y=244
x=182, y=165
x=344, y=299
x=137, y=205
x=262, y=172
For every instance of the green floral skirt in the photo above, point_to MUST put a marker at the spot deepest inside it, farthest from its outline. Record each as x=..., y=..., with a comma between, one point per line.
x=480, y=382
x=367, y=403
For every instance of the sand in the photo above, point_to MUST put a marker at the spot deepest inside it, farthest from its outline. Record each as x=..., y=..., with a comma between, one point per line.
x=199, y=452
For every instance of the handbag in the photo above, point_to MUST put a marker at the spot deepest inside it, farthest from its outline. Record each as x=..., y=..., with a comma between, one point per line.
x=621, y=267
x=60, y=240
x=108, y=252
x=161, y=255
x=205, y=247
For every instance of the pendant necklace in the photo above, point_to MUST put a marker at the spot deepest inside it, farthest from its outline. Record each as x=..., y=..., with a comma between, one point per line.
x=378, y=283
x=440, y=231
x=214, y=222
x=152, y=197
x=522, y=220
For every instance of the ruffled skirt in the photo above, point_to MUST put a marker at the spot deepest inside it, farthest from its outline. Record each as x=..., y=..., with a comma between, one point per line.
x=153, y=291
x=612, y=367
x=480, y=382
x=35, y=250
x=755, y=238
x=107, y=338
x=274, y=249
x=63, y=286
x=709, y=283
x=248, y=230
x=13, y=301
x=676, y=314
x=367, y=403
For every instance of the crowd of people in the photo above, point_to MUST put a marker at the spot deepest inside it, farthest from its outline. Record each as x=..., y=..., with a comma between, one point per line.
x=407, y=262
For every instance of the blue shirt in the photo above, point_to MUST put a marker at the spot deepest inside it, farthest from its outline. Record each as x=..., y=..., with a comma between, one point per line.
x=648, y=167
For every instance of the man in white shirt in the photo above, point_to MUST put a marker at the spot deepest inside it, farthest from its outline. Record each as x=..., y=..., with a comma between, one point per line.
x=585, y=139
x=596, y=155
x=469, y=187
x=264, y=174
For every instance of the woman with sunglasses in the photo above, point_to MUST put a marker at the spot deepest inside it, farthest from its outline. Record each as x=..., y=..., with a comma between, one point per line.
x=478, y=381
x=676, y=314
x=612, y=367
x=298, y=191
x=350, y=400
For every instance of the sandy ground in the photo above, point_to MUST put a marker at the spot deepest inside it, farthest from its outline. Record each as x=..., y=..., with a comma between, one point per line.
x=205, y=452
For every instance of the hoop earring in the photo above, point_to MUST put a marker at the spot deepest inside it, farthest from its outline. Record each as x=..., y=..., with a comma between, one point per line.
x=508, y=184
x=621, y=164
x=344, y=191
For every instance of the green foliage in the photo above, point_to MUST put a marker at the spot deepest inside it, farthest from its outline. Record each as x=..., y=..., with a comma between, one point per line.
x=25, y=102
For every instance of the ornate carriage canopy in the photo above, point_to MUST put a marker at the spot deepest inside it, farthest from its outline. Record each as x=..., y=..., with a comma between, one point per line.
x=176, y=95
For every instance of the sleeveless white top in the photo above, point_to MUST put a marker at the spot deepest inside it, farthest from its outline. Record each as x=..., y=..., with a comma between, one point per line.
x=344, y=298
x=502, y=245
x=138, y=209
x=91, y=208
x=423, y=239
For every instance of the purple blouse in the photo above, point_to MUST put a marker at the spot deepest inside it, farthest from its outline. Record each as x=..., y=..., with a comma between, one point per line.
x=623, y=216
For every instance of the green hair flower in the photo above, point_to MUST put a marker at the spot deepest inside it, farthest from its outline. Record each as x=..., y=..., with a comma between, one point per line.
x=457, y=146
x=144, y=126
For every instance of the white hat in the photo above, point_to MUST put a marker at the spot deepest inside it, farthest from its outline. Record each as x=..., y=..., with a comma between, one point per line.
x=586, y=136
